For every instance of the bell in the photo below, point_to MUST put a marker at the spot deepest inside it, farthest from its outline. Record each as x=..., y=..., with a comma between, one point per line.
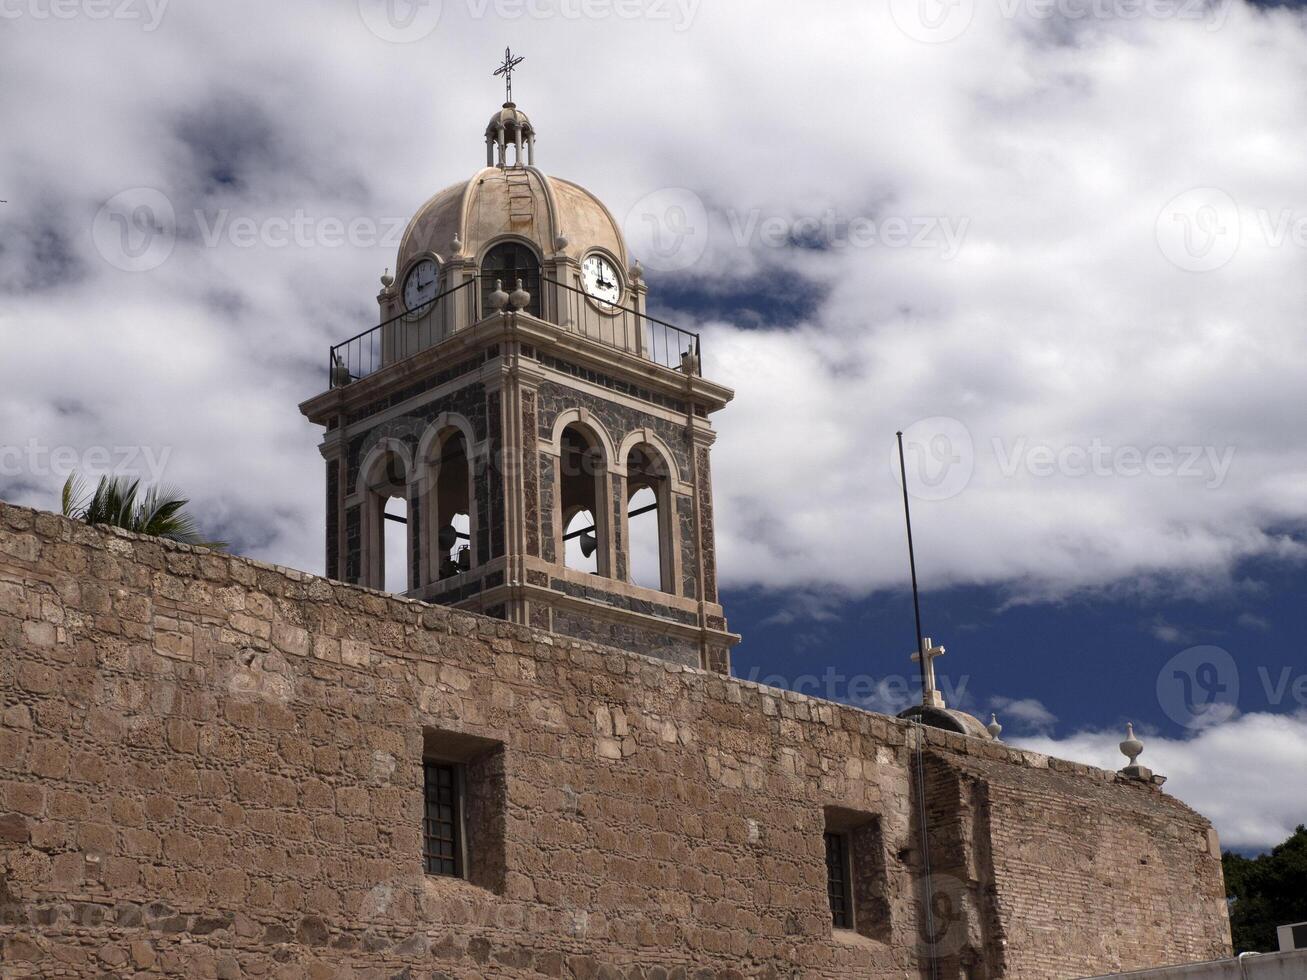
x=589, y=544
x=446, y=538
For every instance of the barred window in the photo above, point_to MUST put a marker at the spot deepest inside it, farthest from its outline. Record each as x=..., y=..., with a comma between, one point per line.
x=442, y=832
x=838, y=884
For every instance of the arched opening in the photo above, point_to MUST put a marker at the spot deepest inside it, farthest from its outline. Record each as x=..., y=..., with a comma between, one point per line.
x=394, y=545
x=648, y=511
x=388, y=547
x=451, y=509
x=582, y=482
x=507, y=263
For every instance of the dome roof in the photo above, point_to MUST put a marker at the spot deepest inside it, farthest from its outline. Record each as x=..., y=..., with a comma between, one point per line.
x=555, y=215
x=948, y=719
x=506, y=123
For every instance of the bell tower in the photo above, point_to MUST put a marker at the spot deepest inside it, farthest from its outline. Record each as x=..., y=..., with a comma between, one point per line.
x=543, y=443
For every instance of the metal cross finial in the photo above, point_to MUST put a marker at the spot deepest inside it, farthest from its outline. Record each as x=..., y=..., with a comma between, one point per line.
x=506, y=69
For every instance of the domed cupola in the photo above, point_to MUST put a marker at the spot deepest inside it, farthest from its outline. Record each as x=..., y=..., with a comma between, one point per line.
x=510, y=127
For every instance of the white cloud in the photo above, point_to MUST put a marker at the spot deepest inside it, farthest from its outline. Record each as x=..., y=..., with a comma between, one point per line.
x=1028, y=713
x=1244, y=775
x=1050, y=146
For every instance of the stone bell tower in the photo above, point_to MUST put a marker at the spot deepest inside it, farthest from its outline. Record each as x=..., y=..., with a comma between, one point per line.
x=541, y=440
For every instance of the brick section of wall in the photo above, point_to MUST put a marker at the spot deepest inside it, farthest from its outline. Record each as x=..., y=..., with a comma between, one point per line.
x=211, y=767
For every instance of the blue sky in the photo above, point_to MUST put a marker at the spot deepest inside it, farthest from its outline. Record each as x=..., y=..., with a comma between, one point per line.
x=1061, y=244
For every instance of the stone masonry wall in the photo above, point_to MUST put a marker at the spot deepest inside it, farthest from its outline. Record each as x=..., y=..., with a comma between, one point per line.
x=211, y=767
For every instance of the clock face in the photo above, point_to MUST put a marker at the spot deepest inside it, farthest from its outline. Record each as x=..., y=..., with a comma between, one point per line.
x=421, y=286
x=599, y=276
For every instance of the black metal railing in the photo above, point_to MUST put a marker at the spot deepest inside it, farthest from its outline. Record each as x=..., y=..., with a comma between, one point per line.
x=627, y=329
x=412, y=331
x=399, y=337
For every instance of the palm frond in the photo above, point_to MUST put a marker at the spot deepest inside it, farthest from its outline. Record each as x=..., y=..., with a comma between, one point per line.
x=118, y=502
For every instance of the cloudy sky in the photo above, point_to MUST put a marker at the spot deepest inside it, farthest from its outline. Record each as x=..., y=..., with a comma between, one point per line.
x=1061, y=244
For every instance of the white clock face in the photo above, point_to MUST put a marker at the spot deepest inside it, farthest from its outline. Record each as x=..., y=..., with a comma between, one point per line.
x=421, y=287
x=599, y=276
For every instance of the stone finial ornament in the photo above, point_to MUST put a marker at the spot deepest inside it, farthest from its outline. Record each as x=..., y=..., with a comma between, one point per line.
x=994, y=728
x=498, y=300
x=387, y=280
x=1131, y=748
x=637, y=271
x=560, y=242
x=456, y=246
x=520, y=298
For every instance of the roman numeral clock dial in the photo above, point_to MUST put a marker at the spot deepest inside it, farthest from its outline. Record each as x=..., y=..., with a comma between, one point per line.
x=600, y=279
x=421, y=287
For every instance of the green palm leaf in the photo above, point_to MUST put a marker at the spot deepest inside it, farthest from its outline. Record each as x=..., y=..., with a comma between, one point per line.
x=117, y=502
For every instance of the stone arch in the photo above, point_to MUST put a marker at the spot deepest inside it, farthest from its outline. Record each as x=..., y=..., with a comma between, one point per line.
x=447, y=494
x=655, y=443
x=583, y=460
x=387, y=472
x=649, y=532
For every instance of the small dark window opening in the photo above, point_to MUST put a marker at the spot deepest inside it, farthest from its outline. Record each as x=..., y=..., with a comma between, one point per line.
x=1299, y=936
x=838, y=883
x=465, y=808
x=507, y=264
x=442, y=830
x=857, y=873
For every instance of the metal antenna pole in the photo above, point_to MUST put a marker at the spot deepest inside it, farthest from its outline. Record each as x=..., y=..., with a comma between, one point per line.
x=928, y=883
x=912, y=564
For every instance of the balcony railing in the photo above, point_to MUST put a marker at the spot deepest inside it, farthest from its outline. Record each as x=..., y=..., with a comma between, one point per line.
x=413, y=331
x=627, y=329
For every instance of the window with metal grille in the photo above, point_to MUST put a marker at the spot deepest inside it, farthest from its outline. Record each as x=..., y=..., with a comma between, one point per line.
x=507, y=264
x=442, y=832
x=838, y=885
